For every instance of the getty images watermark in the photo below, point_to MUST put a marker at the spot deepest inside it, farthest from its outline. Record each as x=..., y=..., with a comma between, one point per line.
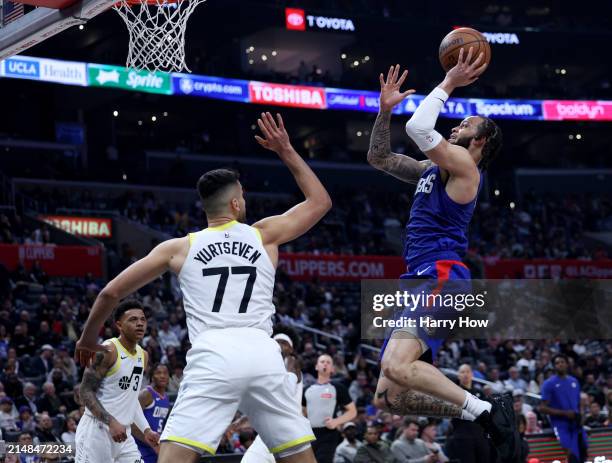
x=416, y=310
x=487, y=309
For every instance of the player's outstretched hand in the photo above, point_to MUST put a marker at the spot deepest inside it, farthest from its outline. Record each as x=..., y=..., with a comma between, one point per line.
x=390, y=94
x=275, y=137
x=464, y=73
x=85, y=351
x=152, y=438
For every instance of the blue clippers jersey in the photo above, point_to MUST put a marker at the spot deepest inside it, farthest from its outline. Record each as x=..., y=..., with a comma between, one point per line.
x=561, y=393
x=437, y=228
x=156, y=415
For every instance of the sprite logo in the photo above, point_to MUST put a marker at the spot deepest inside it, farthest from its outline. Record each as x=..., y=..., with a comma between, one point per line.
x=129, y=79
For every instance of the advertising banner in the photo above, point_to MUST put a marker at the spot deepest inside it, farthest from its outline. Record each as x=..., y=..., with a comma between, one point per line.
x=211, y=87
x=340, y=268
x=93, y=227
x=129, y=79
x=73, y=261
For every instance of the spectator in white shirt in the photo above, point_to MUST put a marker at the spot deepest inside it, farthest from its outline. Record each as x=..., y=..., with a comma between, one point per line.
x=167, y=337
x=515, y=381
x=346, y=451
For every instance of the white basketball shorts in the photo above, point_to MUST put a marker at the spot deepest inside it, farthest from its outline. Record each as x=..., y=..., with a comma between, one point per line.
x=94, y=444
x=236, y=369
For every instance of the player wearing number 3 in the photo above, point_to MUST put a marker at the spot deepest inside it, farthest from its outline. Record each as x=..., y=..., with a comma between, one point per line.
x=109, y=391
x=226, y=273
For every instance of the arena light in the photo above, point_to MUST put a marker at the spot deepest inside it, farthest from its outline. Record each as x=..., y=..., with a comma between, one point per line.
x=139, y=122
x=496, y=192
x=343, y=56
x=512, y=205
x=115, y=113
x=274, y=53
x=251, y=61
x=165, y=113
x=264, y=58
x=154, y=118
x=359, y=133
x=81, y=27
x=563, y=71
x=571, y=136
x=578, y=137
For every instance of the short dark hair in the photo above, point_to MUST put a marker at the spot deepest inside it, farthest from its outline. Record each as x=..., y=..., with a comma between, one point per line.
x=124, y=306
x=408, y=421
x=491, y=131
x=155, y=367
x=563, y=356
x=212, y=183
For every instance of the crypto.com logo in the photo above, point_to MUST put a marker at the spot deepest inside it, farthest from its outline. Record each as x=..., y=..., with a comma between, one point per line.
x=295, y=19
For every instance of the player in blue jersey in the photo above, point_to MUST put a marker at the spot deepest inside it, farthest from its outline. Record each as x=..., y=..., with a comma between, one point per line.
x=156, y=406
x=448, y=183
x=561, y=401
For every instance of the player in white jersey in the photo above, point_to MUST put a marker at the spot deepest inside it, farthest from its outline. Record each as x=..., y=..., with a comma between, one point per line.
x=226, y=273
x=287, y=340
x=109, y=390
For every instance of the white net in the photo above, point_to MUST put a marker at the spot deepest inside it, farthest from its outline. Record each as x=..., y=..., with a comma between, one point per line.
x=157, y=32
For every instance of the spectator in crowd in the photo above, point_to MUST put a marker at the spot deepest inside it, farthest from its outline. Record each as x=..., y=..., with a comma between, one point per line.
x=45, y=335
x=321, y=402
x=67, y=364
x=373, y=450
x=49, y=401
x=519, y=395
x=43, y=364
x=347, y=450
x=7, y=415
x=175, y=379
x=12, y=385
x=167, y=337
x=428, y=435
x=24, y=441
x=45, y=431
x=497, y=386
x=28, y=399
x=561, y=401
x=69, y=434
x=515, y=381
x=26, y=420
x=532, y=426
x=408, y=448
x=23, y=343
x=596, y=418
x=468, y=443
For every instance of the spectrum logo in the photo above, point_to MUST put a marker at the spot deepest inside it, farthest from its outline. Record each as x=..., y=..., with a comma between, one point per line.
x=295, y=19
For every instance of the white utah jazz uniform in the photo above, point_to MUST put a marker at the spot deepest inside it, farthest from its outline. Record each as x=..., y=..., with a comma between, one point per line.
x=118, y=394
x=227, y=282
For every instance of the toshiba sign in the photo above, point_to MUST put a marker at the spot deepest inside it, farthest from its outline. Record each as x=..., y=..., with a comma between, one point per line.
x=84, y=226
x=296, y=19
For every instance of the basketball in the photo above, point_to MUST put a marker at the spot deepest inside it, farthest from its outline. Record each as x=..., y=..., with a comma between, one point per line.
x=463, y=37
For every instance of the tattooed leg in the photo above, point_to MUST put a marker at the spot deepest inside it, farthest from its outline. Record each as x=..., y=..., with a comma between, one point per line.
x=417, y=403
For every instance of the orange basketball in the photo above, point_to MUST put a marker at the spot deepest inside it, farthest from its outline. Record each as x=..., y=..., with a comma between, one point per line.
x=465, y=38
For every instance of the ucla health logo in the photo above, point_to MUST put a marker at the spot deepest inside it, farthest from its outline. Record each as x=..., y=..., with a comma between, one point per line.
x=16, y=67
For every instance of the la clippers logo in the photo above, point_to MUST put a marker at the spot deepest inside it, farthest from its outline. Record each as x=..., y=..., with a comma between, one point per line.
x=295, y=19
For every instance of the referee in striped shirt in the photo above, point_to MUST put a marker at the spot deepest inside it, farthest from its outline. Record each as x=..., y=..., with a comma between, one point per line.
x=328, y=406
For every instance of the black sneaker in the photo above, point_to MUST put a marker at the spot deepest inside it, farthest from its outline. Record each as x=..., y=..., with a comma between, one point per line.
x=501, y=426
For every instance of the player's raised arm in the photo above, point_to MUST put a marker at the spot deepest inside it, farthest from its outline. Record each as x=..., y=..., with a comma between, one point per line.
x=92, y=379
x=380, y=155
x=162, y=258
x=280, y=229
x=453, y=158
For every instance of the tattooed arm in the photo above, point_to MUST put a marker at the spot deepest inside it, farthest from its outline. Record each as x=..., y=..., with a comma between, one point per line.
x=381, y=157
x=92, y=380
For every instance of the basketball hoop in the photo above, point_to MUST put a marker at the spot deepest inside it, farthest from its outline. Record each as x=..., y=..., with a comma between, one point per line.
x=157, y=32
